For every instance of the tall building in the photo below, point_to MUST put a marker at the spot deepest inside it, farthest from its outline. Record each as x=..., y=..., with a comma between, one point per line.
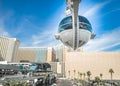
x=63, y=60
x=58, y=53
x=8, y=48
x=33, y=54
x=53, y=55
x=41, y=54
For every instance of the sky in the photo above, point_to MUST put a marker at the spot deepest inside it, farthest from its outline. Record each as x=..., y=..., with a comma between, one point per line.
x=35, y=22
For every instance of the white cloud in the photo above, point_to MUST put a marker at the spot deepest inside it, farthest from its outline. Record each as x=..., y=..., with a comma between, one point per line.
x=3, y=32
x=111, y=11
x=90, y=12
x=108, y=40
x=3, y=17
x=45, y=38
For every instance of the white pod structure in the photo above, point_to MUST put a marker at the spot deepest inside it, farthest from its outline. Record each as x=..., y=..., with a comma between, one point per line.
x=74, y=31
x=65, y=32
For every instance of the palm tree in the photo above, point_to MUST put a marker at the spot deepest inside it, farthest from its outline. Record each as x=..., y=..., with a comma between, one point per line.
x=69, y=73
x=97, y=80
x=81, y=76
x=111, y=73
x=88, y=74
x=84, y=76
x=101, y=76
x=78, y=74
x=74, y=73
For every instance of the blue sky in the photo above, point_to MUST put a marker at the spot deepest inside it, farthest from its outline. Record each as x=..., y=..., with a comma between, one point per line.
x=34, y=22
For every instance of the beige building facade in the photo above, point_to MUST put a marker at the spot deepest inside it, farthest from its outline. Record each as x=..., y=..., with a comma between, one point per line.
x=34, y=54
x=63, y=60
x=8, y=48
x=95, y=62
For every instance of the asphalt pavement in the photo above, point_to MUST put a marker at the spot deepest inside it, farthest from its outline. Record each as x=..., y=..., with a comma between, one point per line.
x=64, y=82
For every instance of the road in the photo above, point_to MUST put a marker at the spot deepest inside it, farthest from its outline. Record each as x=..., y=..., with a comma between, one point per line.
x=64, y=82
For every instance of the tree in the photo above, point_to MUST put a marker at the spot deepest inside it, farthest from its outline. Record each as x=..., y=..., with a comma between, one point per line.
x=74, y=73
x=81, y=76
x=78, y=75
x=111, y=74
x=88, y=74
x=84, y=76
x=97, y=80
x=101, y=76
x=69, y=73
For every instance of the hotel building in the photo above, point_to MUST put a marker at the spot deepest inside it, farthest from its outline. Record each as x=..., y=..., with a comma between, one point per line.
x=95, y=62
x=63, y=60
x=33, y=54
x=8, y=48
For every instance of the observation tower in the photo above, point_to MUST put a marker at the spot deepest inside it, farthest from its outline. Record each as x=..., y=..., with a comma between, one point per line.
x=74, y=30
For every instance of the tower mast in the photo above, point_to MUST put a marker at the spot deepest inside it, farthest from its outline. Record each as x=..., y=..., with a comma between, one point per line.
x=74, y=6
